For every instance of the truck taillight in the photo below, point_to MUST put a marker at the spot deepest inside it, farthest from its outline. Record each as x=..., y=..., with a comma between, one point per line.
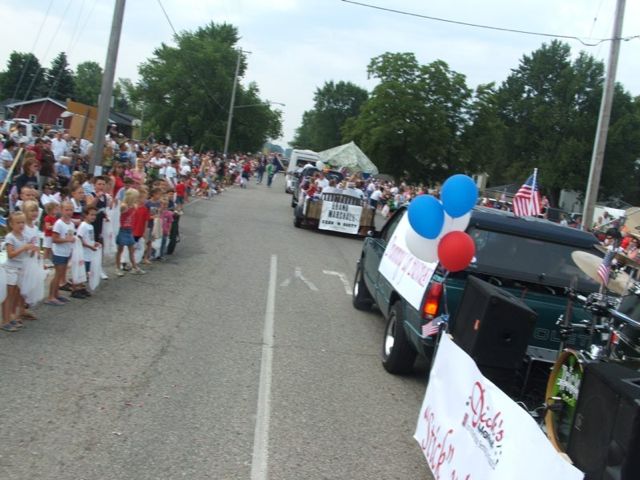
x=432, y=301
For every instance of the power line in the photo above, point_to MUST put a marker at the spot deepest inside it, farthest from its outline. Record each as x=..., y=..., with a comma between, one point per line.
x=28, y=62
x=33, y=80
x=598, y=41
x=204, y=85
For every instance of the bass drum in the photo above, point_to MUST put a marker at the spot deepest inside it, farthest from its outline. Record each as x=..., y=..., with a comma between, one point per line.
x=563, y=388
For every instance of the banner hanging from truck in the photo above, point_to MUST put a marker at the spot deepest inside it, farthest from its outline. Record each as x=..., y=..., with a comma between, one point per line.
x=408, y=274
x=340, y=217
x=468, y=429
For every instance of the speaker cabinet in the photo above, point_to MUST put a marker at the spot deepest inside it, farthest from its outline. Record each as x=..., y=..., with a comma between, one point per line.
x=605, y=436
x=492, y=326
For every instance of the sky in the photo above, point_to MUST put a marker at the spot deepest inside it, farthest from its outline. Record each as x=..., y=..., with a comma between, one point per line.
x=297, y=45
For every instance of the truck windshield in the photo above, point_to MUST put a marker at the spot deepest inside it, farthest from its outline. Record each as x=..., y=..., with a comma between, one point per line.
x=528, y=259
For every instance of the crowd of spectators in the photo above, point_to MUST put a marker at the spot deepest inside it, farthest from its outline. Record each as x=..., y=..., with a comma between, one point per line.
x=128, y=211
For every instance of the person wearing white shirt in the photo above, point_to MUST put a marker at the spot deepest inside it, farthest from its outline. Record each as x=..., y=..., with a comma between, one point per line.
x=59, y=146
x=322, y=182
x=170, y=174
x=375, y=198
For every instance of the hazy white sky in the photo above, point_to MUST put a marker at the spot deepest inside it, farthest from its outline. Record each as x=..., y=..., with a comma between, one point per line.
x=297, y=45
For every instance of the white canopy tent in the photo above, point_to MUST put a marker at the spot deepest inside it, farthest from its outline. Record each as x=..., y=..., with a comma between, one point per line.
x=349, y=155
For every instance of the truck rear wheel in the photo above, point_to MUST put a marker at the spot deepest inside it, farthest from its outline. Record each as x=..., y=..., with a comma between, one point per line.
x=398, y=356
x=361, y=296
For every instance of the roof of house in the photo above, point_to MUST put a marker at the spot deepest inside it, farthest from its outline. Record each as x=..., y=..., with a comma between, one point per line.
x=114, y=117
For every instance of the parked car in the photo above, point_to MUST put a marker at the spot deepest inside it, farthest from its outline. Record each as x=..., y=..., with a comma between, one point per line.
x=529, y=257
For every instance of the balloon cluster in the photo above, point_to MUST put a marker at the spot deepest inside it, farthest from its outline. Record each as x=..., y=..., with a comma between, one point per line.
x=437, y=227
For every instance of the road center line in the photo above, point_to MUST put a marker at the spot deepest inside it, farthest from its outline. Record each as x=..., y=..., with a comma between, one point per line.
x=259, y=460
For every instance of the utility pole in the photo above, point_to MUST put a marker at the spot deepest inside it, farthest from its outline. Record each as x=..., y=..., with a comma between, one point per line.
x=604, y=117
x=232, y=106
x=106, y=91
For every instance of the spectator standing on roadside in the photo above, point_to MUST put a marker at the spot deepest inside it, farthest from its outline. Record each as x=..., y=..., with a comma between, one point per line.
x=17, y=250
x=63, y=239
x=59, y=146
x=125, y=234
x=270, y=173
x=47, y=162
x=260, y=169
x=375, y=197
x=181, y=194
x=6, y=158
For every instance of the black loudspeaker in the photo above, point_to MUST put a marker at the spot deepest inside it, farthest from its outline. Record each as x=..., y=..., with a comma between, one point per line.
x=493, y=327
x=605, y=436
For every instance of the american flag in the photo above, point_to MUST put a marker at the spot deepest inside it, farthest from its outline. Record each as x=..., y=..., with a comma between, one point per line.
x=605, y=267
x=432, y=327
x=527, y=201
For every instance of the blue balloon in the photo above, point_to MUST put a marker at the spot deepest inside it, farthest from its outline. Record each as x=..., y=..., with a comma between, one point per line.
x=459, y=195
x=426, y=216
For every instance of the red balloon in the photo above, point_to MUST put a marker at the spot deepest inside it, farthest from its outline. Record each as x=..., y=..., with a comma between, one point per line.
x=456, y=250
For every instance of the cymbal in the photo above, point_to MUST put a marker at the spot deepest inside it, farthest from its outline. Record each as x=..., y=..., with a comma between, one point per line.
x=621, y=257
x=589, y=264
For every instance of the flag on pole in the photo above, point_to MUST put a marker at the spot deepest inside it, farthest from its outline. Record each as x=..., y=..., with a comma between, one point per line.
x=432, y=327
x=604, y=270
x=526, y=202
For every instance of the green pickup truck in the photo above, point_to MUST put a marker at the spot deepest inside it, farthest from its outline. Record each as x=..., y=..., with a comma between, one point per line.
x=529, y=257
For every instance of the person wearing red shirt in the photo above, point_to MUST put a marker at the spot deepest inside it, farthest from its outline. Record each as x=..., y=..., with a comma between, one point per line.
x=141, y=216
x=181, y=194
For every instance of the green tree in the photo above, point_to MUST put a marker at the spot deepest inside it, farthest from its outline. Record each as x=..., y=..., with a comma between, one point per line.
x=59, y=80
x=334, y=103
x=548, y=107
x=412, y=123
x=23, y=78
x=125, y=96
x=186, y=91
x=483, y=137
x=88, y=82
x=304, y=136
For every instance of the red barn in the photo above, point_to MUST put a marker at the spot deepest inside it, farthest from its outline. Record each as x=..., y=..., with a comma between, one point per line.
x=45, y=111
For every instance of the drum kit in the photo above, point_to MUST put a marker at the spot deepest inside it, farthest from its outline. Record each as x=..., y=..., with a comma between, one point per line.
x=614, y=330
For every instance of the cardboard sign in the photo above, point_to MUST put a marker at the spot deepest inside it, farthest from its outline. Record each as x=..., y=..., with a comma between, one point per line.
x=340, y=217
x=468, y=429
x=408, y=274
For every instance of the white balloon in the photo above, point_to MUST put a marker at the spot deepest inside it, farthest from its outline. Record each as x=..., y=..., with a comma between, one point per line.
x=459, y=224
x=423, y=248
x=320, y=165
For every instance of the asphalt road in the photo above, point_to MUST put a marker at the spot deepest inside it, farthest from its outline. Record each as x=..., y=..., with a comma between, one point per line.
x=166, y=376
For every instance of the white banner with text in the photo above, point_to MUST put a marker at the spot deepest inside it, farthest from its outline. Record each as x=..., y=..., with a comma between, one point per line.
x=468, y=429
x=340, y=217
x=408, y=274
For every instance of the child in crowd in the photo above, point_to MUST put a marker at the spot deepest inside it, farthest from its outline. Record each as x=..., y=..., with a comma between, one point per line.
x=51, y=209
x=86, y=234
x=32, y=236
x=77, y=200
x=63, y=238
x=141, y=216
x=181, y=193
x=153, y=207
x=17, y=250
x=125, y=234
x=166, y=216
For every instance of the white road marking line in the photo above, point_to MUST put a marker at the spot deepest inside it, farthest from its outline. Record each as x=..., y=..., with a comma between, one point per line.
x=259, y=460
x=298, y=274
x=343, y=279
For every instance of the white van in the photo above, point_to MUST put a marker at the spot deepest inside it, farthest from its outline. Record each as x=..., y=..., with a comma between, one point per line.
x=299, y=158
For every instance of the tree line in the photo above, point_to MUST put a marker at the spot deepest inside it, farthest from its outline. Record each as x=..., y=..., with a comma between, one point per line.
x=423, y=122
x=183, y=92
